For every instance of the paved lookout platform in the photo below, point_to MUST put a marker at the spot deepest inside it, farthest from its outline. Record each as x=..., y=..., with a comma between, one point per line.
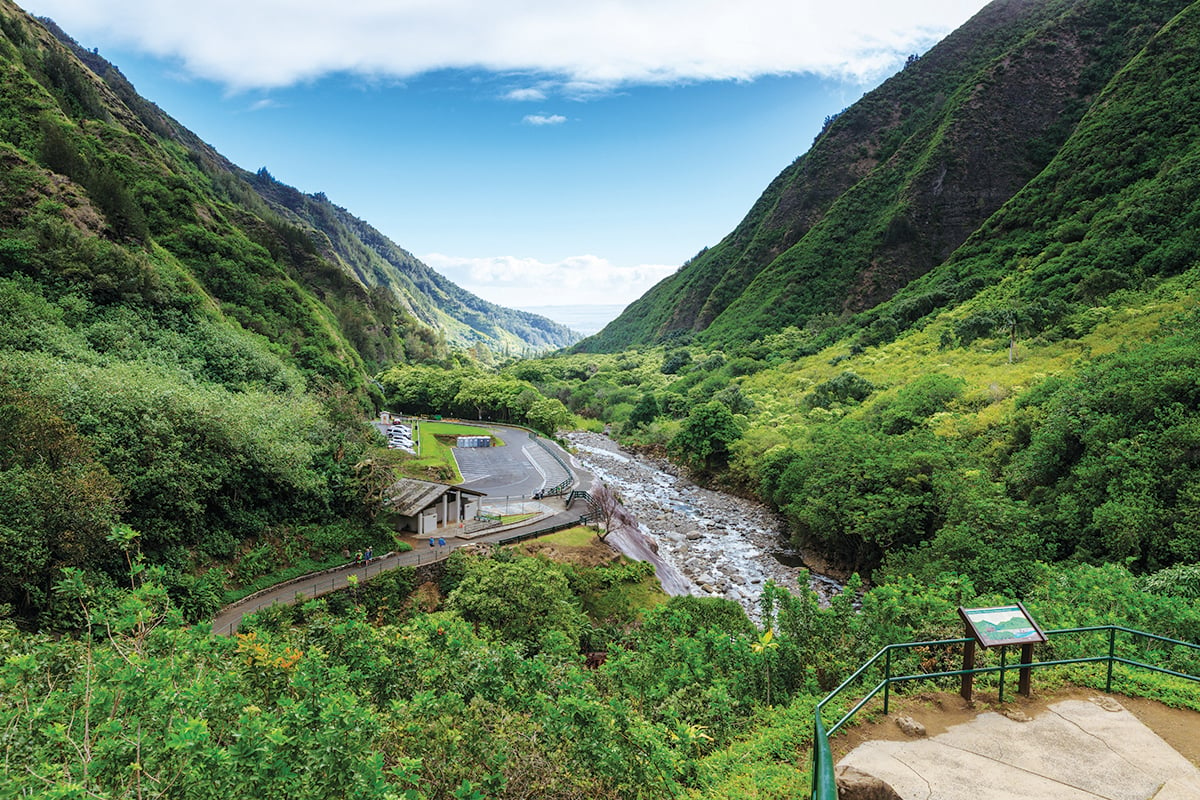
x=1071, y=750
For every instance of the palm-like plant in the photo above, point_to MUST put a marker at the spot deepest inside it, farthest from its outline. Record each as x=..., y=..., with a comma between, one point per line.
x=766, y=642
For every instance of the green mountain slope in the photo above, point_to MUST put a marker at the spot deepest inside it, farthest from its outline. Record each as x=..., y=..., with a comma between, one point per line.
x=424, y=307
x=901, y=179
x=1115, y=212
x=379, y=263
x=185, y=347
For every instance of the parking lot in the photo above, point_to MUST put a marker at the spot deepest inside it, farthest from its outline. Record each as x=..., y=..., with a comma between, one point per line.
x=519, y=468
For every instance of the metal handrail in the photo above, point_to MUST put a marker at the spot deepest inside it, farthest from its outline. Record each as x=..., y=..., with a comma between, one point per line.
x=824, y=784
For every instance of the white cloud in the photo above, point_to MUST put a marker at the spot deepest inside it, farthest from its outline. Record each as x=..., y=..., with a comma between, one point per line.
x=578, y=280
x=266, y=43
x=264, y=104
x=542, y=119
x=526, y=95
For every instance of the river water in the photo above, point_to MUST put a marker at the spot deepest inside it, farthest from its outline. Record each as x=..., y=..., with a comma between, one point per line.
x=706, y=543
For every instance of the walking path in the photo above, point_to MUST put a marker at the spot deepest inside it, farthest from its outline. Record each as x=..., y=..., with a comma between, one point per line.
x=226, y=622
x=314, y=585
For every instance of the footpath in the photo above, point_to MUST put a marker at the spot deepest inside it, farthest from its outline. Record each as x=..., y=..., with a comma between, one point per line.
x=226, y=622
x=314, y=585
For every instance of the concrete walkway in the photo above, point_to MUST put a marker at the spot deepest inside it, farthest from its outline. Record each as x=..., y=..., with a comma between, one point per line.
x=308, y=586
x=1072, y=750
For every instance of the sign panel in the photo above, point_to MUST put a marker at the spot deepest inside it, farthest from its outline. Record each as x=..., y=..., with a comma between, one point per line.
x=1002, y=625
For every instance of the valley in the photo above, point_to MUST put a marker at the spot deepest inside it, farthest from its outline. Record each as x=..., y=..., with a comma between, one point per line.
x=949, y=357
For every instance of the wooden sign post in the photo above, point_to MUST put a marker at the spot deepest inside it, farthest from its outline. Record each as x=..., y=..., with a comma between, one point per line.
x=999, y=627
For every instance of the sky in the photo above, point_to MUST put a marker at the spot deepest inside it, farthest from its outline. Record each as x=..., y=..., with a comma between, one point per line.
x=544, y=153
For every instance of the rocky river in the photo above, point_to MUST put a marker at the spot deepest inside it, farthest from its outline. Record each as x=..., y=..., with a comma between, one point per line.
x=707, y=543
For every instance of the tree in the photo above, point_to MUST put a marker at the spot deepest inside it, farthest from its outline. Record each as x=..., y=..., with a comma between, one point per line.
x=706, y=435
x=844, y=388
x=674, y=361
x=613, y=515
x=547, y=415
x=523, y=600
x=762, y=647
x=645, y=411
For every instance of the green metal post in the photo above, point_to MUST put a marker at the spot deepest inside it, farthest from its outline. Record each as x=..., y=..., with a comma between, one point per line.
x=1112, y=646
x=887, y=679
x=823, y=781
x=1003, y=660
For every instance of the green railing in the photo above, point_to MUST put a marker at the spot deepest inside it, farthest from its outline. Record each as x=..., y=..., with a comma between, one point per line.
x=560, y=489
x=824, y=784
x=562, y=526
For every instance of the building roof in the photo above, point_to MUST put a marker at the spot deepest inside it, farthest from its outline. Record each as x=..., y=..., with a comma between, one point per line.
x=409, y=496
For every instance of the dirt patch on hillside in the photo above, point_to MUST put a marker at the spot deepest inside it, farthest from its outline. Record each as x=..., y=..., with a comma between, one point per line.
x=595, y=554
x=939, y=711
x=1178, y=727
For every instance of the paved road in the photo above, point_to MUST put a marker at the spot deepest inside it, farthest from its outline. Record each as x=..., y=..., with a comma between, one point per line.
x=504, y=461
x=518, y=468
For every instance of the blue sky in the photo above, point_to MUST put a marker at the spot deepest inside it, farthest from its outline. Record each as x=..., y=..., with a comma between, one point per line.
x=538, y=153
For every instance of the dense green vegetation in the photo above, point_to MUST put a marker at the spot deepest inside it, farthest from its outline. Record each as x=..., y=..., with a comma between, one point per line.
x=959, y=357
x=471, y=393
x=476, y=687
x=982, y=468
x=185, y=347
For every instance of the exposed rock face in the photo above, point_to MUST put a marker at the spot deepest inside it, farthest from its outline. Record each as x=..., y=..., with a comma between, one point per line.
x=910, y=727
x=854, y=784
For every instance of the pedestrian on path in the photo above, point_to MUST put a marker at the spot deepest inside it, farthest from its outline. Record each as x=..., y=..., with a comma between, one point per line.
x=370, y=553
x=358, y=557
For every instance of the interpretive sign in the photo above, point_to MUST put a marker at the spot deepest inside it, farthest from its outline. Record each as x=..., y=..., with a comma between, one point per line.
x=997, y=627
x=1002, y=625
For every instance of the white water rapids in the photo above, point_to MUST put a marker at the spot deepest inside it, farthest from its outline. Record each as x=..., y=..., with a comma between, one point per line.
x=702, y=542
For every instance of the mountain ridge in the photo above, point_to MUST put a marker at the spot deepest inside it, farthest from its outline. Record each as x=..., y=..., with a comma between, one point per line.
x=899, y=180
x=364, y=253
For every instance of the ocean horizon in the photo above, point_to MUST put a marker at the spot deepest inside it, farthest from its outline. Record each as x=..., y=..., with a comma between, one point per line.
x=585, y=319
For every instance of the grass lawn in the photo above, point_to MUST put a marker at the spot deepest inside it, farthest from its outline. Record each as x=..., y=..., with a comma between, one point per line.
x=440, y=428
x=435, y=459
x=579, y=536
x=434, y=462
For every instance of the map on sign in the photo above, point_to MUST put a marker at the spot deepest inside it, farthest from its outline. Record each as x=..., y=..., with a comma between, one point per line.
x=1002, y=625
